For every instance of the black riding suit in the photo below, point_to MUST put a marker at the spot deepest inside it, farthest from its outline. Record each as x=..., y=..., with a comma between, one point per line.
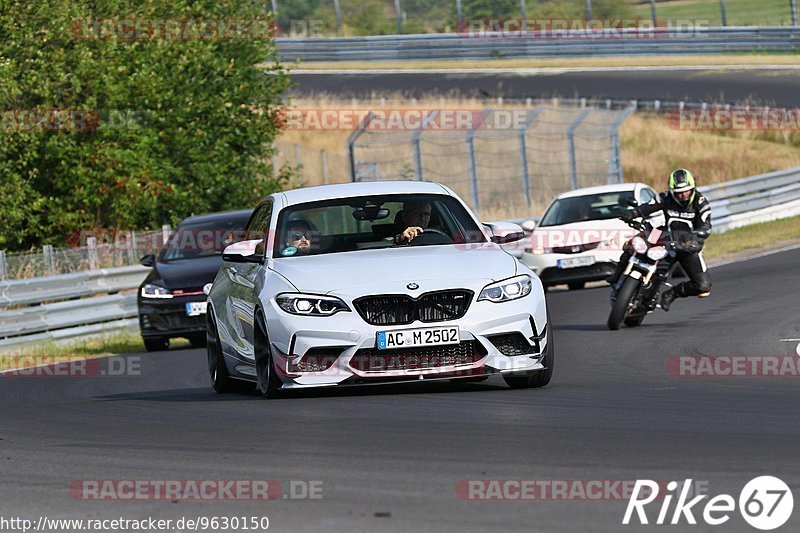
x=690, y=225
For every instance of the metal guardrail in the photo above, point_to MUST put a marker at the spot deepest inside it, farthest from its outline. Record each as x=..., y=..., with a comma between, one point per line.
x=631, y=41
x=61, y=311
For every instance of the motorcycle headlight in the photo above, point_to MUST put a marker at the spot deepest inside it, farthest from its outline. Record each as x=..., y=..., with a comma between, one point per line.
x=509, y=289
x=310, y=304
x=657, y=253
x=639, y=244
x=155, y=291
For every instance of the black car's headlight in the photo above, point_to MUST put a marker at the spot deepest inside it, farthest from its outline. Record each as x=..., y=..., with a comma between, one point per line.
x=310, y=304
x=155, y=291
x=508, y=289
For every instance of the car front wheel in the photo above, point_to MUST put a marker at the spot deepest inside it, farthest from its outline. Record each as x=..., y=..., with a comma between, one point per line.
x=220, y=379
x=268, y=382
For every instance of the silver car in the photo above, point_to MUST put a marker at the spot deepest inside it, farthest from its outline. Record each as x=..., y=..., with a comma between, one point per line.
x=381, y=282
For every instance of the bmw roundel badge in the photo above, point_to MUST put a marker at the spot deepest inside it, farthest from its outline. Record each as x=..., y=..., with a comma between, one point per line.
x=412, y=286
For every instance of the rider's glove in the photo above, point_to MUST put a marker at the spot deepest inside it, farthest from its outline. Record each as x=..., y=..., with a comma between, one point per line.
x=627, y=216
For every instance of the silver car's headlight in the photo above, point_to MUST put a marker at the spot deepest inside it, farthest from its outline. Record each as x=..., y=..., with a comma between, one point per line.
x=657, y=253
x=508, y=289
x=310, y=304
x=155, y=291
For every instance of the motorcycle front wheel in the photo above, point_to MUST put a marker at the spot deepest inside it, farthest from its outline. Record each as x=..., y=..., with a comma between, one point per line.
x=620, y=307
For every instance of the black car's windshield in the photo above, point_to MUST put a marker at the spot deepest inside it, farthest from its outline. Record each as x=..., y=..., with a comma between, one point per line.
x=368, y=222
x=590, y=207
x=203, y=239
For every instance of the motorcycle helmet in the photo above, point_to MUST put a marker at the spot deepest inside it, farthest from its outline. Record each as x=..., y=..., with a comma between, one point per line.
x=682, y=186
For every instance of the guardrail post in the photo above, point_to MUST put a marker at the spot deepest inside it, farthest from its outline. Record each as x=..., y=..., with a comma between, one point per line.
x=91, y=253
x=573, y=164
x=3, y=265
x=724, y=12
x=49, y=258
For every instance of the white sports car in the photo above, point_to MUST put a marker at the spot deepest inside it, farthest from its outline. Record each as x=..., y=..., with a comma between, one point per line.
x=378, y=282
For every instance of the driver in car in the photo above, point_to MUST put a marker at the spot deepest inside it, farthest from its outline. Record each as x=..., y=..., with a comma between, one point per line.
x=298, y=238
x=416, y=216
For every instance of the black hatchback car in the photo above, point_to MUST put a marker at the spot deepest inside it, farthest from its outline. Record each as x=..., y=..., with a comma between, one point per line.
x=171, y=298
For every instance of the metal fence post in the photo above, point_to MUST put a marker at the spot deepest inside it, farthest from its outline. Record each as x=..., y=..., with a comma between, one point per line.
x=523, y=152
x=3, y=265
x=166, y=231
x=794, y=11
x=399, y=14
x=351, y=141
x=132, y=259
x=588, y=9
x=573, y=164
x=724, y=12
x=91, y=253
x=49, y=258
x=324, y=160
x=298, y=157
x=275, y=6
x=523, y=17
x=653, y=11
x=338, y=13
x=615, y=159
x=473, y=166
x=418, y=172
x=459, y=18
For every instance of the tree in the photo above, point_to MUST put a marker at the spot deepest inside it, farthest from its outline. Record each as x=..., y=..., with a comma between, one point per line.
x=146, y=131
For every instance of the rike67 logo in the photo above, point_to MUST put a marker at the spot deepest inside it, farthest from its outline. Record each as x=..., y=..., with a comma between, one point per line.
x=765, y=503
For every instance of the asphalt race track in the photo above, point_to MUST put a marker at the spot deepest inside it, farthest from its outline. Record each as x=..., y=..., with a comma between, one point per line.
x=755, y=85
x=390, y=458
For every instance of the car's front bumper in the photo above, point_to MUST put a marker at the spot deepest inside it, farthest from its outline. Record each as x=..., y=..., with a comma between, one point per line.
x=487, y=330
x=164, y=318
x=546, y=266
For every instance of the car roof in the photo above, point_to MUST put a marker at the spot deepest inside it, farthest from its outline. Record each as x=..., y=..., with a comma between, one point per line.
x=362, y=188
x=243, y=214
x=617, y=187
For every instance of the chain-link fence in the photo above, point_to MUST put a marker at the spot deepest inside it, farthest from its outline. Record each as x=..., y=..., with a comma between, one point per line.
x=502, y=160
x=106, y=250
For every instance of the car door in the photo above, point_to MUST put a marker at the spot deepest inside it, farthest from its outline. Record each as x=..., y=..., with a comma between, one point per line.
x=242, y=278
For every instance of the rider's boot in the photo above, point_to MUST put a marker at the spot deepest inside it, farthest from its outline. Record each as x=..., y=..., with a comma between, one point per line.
x=667, y=297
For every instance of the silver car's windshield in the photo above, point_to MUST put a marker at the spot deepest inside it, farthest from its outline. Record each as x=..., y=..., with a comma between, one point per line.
x=369, y=222
x=589, y=207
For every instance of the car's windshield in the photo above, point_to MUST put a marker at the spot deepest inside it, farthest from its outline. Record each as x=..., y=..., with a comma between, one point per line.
x=203, y=239
x=369, y=222
x=588, y=207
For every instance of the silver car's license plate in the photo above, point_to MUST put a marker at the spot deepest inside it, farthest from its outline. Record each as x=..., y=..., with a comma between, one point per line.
x=412, y=338
x=196, y=308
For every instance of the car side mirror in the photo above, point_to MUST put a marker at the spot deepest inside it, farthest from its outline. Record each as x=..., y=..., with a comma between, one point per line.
x=631, y=201
x=243, y=252
x=505, y=232
x=528, y=226
x=149, y=260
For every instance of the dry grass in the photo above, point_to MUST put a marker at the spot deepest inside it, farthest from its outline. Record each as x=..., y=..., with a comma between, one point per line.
x=651, y=148
x=643, y=61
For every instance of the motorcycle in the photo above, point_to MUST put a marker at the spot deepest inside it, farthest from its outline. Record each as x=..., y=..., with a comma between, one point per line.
x=642, y=282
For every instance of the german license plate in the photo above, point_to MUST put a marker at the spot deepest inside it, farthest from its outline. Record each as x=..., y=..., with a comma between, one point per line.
x=413, y=338
x=196, y=308
x=576, y=262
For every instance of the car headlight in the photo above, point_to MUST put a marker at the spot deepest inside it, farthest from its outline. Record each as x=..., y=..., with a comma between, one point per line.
x=657, y=253
x=639, y=244
x=509, y=289
x=155, y=291
x=310, y=304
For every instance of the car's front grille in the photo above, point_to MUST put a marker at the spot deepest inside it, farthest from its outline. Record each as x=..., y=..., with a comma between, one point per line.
x=398, y=309
x=512, y=344
x=374, y=360
x=576, y=249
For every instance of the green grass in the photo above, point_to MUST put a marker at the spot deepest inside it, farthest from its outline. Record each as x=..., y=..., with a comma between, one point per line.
x=740, y=12
x=753, y=238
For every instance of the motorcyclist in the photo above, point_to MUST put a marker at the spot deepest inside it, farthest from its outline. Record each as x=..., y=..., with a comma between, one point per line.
x=687, y=214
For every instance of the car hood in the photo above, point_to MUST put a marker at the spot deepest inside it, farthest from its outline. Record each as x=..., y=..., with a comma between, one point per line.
x=391, y=269
x=186, y=273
